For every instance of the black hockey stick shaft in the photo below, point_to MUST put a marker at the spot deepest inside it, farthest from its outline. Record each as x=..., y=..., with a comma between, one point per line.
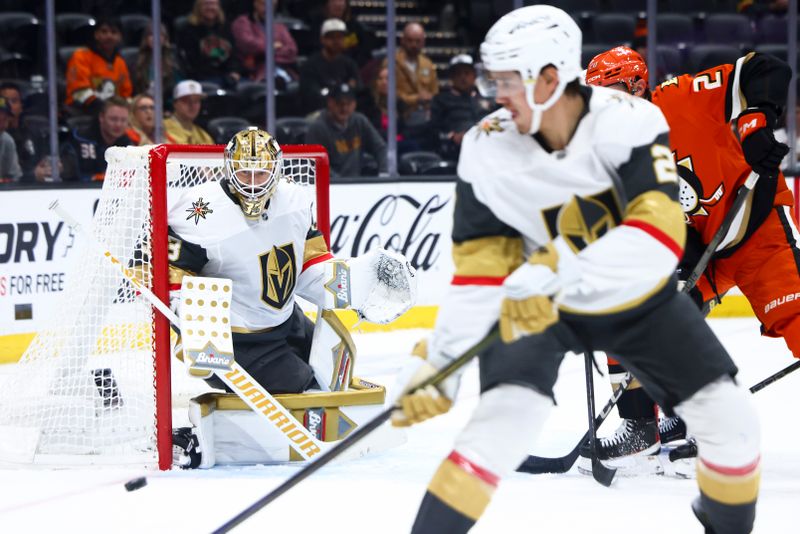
x=357, y=435
x=774, y=378
x=537, y=465
x=602, y=474
x=741, y=196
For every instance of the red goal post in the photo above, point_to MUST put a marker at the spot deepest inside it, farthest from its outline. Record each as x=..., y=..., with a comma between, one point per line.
x=94, y=386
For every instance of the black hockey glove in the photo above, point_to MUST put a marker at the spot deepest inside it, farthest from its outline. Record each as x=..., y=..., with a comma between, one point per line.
x=761, y=150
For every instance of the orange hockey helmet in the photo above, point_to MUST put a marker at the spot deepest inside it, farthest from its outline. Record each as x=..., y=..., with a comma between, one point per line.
x=618, y=65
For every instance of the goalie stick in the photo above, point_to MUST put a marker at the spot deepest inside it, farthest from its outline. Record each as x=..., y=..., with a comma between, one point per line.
x=358, y=434
x=237, y=379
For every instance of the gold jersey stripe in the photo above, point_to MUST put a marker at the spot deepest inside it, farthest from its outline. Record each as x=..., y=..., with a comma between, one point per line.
x=728, y=489
x=628, y=305
x=314, y=248
x=657, y=209
x=462, y=491
x=493, y=256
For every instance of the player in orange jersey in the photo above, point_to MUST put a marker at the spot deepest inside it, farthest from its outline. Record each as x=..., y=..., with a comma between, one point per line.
x=760, y=253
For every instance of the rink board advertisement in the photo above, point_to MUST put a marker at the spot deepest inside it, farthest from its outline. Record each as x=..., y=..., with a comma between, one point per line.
x=37, y=248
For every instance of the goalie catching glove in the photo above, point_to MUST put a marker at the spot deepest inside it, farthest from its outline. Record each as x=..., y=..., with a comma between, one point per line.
x=529, y=307
x=429, y=401
x=379, y=286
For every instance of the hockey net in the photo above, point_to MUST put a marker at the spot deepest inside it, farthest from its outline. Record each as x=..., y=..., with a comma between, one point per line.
x=94, y=385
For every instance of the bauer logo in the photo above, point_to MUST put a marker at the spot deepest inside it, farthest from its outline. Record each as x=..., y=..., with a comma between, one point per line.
x=780, y=301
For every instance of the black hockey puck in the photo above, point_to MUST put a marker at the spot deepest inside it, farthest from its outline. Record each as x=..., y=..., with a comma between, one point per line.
x=136, y=483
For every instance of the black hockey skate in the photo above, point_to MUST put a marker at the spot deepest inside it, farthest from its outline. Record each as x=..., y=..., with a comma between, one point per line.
x=671, y=429
x=633, y=449
x=700, y=514
x=185, y=448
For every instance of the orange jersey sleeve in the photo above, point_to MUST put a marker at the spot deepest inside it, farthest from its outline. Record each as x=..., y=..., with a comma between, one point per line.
x=91, y=76
x=710, y=162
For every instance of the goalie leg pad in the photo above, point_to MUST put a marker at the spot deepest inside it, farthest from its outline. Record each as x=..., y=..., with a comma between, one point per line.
x=277, y=359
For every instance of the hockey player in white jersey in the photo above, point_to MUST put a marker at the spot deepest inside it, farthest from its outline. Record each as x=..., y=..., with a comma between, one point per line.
x=567, y=231
x=259, y=230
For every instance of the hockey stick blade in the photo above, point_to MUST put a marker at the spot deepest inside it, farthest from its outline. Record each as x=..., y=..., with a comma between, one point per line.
x=602, y=473
x=357, y=435
x=539, y=465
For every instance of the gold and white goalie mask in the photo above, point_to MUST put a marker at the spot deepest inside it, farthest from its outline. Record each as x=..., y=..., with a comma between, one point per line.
x=253, y=164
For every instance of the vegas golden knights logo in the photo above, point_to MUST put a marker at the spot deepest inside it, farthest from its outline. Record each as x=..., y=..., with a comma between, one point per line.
x=584, y=220
x=278, y=275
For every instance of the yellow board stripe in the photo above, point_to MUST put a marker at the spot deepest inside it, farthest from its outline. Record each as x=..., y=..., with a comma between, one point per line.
x=462, y=491
x=13, y=345
x=728, y=489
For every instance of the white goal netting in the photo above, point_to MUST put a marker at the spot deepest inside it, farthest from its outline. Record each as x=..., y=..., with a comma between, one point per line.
x=85, y=390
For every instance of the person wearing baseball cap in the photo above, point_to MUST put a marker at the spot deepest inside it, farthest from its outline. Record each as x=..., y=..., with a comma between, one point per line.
x=10, y=170
x=345, y=133
x=327, y=67
x=456, y=109
x=187, y=100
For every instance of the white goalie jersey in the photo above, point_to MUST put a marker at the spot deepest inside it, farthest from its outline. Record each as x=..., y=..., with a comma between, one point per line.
x=610, y=194
x=269, y=259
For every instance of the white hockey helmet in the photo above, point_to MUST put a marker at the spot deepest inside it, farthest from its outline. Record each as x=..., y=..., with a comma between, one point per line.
x=528, y=39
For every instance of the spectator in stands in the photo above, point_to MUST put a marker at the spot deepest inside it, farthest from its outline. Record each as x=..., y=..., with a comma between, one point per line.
x=456, y=109
x=416, y=75
x=83, y=155
x=143, y=121
x=187, y=100
x=248, y=31
x=143, y=71
x=346, y=133
x=32, y=147
x=327, y=67
x=358, y=40
x=375, y=108
x=96, y=73
x=10, y=170
x=206, y=45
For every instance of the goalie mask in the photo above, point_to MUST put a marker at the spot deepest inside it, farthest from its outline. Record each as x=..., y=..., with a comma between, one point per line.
x=529, y=39
x=253, y=166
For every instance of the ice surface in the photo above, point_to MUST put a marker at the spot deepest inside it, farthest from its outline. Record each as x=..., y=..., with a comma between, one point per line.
x=380, y=494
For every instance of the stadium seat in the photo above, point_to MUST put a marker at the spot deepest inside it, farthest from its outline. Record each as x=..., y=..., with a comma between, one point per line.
x=221, y=104
x=614, y=28
x=626, y=5
x=75, y=28
x=674, y=28
x=444, y=168
x=773, y=29
x=64, y=54
x=38, y=124
x=418, y=162
x=705, y=56
x=15, y=65
x=223, y=128
x=210, y=88
x=729, y=28
x=291, y=130
x=80, y=122
x=133, y=27
x=670, y=59
x=588, y=51
x=369, y=166
x=21, y=32
x=129, y=55
x=778, y=50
